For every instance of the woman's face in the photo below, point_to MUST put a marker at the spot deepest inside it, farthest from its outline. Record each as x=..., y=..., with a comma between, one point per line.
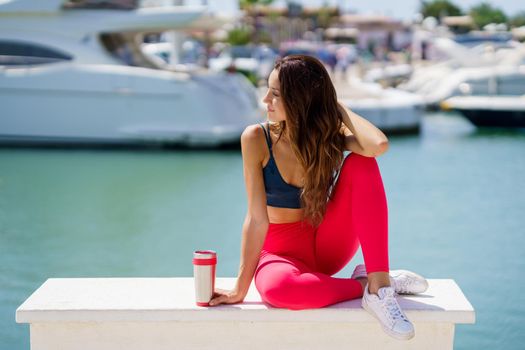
x=273, y=100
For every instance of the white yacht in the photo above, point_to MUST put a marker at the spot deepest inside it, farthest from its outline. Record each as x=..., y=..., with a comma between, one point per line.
x=392, y=110
x=486, y=69
x=490, y=111
x=71, y=73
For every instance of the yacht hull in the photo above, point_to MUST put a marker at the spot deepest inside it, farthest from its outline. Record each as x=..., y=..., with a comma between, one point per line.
x=497, y=119
x=489, y=111
x=123, y=105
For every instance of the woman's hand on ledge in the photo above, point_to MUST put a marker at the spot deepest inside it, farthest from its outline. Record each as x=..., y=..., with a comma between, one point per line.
x=222, y=296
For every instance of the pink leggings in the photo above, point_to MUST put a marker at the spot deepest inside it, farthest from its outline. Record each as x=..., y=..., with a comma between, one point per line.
x=297, y=261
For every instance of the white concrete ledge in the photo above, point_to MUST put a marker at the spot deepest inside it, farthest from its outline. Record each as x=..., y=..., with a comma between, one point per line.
x=82, y=313
x=172, y=299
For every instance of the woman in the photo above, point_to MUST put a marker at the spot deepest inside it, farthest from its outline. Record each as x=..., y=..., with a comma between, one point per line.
x=309, y=207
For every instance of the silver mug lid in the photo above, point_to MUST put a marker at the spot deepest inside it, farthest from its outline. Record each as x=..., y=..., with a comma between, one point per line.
x=204, y=254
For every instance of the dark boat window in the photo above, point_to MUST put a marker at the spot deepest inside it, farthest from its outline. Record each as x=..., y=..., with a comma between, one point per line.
x=102, y=4
x=14, y=53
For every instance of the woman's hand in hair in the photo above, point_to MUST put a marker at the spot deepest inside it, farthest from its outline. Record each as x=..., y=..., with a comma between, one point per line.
x=361, y=136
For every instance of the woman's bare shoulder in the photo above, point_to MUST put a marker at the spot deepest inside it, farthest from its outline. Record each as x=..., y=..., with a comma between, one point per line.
x=252, y=133
x=253, y=141
x=253, y=136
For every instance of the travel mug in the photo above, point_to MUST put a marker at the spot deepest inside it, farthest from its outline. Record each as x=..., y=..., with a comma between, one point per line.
x=204, y=264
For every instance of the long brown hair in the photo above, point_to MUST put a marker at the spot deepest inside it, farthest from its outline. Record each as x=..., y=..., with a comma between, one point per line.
x=314, y=125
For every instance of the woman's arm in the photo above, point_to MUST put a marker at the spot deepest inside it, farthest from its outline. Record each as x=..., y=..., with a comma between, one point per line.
x=361, y=136
x=256, y=222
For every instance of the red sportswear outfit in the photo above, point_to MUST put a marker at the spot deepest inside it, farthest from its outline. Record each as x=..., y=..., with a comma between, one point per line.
x=297, y=260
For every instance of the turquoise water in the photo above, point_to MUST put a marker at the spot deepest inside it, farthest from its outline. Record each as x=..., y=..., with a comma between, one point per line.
x=456, y=206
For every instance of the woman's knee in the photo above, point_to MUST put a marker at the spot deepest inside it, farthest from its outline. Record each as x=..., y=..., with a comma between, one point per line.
x=281, y=294
x=359, y=159
x=357, y=163
x=272, y=290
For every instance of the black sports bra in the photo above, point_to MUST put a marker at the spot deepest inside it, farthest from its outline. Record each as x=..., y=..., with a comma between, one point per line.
x=278, y=192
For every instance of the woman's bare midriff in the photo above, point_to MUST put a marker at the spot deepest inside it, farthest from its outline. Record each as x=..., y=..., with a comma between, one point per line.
x=284, y=215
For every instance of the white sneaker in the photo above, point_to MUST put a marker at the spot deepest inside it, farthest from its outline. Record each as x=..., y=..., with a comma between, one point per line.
x=386, y=310
x=407, y=282
x=403, y=281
